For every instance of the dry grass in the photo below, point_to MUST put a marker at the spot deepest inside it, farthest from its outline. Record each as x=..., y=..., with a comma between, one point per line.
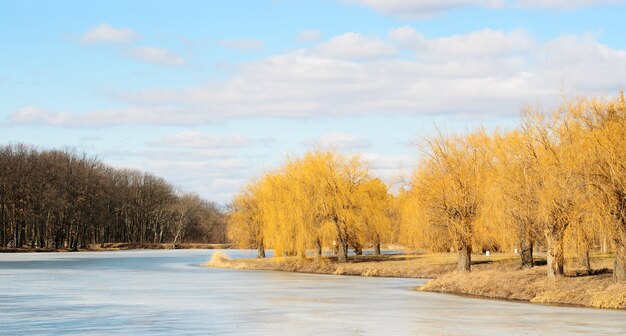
x=575, y=288
x=532, y=285
x=497, y=276
x=400, y=266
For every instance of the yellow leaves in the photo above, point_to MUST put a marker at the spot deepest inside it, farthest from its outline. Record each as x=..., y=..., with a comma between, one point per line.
x=323, y=197
x=496, y=188
x=448, y=190
x=561, y=174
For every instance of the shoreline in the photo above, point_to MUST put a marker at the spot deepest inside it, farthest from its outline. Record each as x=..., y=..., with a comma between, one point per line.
x=122, y=247
x=497, y=277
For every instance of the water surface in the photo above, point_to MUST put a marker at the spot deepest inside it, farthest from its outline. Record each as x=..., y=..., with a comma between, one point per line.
x=167, y=292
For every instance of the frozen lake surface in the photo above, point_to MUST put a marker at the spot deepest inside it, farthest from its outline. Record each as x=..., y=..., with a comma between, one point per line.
x=167, y=292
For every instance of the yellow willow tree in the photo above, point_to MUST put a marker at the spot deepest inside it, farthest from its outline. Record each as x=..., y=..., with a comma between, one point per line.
x=586, y=228
x=450, y=186
x=318, y=200
x=336, y=183
x=414, y=228
x=286, y=198
x=279, y=229
x=305, y=177
x=245, y=222
x=514, y=202
x=374, y=214
x=554, y=142
x=605, y=166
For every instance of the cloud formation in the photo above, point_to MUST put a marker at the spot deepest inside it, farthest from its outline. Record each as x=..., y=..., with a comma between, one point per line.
x=154, y=115
x=311, y=35
x=194, y=139
x=337, y=140
x=424, y=9
x=564, y=4
x=482, y=73
x=356, y=47
x=412, y=9
x=105, y=33
x=156, y=56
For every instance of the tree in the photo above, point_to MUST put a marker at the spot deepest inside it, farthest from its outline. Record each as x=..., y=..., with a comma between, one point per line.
x=450, y=186
x=604, y=163
x=374, y=216
x=552, y=143
x=245, y=225
x=515, y=199
x=321, y=199
x=62, y=199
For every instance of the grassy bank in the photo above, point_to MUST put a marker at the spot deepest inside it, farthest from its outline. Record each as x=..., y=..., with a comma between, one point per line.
x=497, y=276
x=123, y=246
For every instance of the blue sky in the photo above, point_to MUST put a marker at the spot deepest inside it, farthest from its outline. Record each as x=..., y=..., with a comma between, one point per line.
x=210, y=94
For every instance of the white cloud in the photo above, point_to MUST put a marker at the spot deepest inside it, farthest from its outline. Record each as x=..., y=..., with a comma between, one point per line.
x=484, y=73
x=194, y=139
x=309, y=35
x=408, y=38
x=165, y=153
x=395, y=170
x=155, y=115
x=353, y=46
x=564, y=4
x=483, y=43
x=105, y=33
x=337, y=140
x=155, y=56
x=243, y=45
x=422, y=8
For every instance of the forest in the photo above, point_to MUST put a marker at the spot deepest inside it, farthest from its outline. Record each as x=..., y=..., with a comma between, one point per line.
x=556, y=183
x=59, y=199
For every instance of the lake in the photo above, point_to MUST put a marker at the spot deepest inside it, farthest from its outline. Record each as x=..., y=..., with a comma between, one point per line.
x=165, y=292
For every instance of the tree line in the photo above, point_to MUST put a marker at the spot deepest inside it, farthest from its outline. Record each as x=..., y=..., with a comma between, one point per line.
x=59, y=199
x=558, y=181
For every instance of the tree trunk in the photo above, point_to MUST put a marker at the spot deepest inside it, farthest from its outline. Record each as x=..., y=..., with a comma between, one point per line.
x=526, y=253
x=619, y=264
x=358, y=250
x=260, y=250
x=464, y=257
x=377, y=249
x=342, y=251
x=318, y=250
x=555, y=254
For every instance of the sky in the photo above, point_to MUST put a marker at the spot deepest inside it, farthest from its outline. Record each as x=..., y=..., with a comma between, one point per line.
x=211, y=94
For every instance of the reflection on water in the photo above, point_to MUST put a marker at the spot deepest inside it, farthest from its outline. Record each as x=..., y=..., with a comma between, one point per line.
x=167, y=292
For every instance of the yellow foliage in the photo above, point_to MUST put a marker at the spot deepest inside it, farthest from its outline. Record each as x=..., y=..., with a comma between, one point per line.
x=321, y=199
x=559, y=180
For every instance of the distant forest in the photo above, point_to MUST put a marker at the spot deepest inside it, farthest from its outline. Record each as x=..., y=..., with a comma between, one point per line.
x=59, y=199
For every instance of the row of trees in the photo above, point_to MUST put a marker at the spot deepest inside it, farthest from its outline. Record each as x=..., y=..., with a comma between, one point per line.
x=558, y=181
x=60, y=199
x=321, y=200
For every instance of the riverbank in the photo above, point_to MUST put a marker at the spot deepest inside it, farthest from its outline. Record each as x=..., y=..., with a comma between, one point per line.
x=496, y=277
x=123, y=246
